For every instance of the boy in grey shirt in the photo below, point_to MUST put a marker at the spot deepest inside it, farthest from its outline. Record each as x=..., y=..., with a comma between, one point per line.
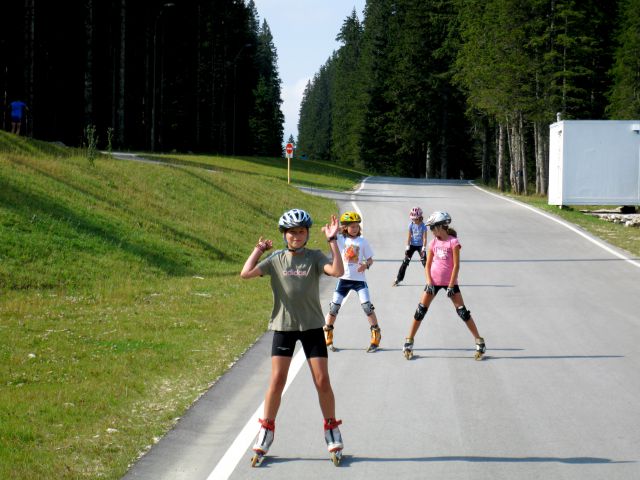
x=297, y=315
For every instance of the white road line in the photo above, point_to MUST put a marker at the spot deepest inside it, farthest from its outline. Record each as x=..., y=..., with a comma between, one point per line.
x=353, y=203
x=235, y=452
x=565, y=224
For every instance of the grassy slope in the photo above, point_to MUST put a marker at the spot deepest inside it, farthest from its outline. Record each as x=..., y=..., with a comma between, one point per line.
x=120, y=299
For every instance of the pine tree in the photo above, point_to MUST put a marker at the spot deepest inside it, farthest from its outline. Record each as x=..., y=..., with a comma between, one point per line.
x=347, y=98
x=624, y=94
x=316, y=113
x=266, y=121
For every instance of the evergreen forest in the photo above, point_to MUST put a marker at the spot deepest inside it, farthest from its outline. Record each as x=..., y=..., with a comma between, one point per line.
x=420, y=88
x=185, y=75
x=468, y=88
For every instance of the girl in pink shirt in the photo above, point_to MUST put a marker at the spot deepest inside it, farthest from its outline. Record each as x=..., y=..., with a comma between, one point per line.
x=443, y=264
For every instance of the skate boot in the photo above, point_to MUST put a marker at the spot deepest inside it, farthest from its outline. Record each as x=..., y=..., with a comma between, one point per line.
x=407, y=350
x=480, y=348
x=375, y=339
x=263, y=442
x=334, y=439
x=395, y=283
x=328, y=337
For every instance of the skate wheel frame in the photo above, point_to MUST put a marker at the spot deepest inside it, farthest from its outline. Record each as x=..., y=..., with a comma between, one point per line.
x=336, y=457
x=332, y=348
x=256, y=460
x=479, y=355
x=408, y=354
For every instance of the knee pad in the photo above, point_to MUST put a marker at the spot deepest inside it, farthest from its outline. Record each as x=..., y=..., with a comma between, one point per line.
x=334, y=308
x=463, y=313
x=421, y=311
x=367, y=307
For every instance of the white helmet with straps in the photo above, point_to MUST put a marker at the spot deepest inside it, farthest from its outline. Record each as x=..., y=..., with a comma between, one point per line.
x=294, y=218
x=438, y=218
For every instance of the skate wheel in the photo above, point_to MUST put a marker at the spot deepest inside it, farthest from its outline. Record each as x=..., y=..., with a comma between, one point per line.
x=372, y=349
x=408, y=355
x=478, y=356
x=256, y=460
x=336, y=457
x=332, y=348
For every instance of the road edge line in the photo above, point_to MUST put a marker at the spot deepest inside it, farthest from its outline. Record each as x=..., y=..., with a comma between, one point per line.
x=564, y=223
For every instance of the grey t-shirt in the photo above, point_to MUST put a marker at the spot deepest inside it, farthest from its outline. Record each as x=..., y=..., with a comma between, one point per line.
x=295, y=281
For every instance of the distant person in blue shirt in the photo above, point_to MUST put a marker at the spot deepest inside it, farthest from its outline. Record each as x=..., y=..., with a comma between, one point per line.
x=18, y=109
x=416, y=242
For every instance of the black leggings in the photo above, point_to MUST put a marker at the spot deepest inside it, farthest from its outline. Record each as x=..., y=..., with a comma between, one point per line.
x=407, y=258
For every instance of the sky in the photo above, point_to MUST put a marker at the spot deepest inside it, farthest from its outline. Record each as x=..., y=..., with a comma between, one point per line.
x=304, y=33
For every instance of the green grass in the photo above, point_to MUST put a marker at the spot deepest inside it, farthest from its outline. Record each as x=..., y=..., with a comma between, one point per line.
x=120, y=296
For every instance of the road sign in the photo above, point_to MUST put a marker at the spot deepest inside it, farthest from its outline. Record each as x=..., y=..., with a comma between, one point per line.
x=289, y=150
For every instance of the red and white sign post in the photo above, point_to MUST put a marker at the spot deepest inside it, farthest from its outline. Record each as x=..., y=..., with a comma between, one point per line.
x=289, y=150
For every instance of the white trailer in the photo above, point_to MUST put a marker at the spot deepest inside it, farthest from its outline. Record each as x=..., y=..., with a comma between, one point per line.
x=594, y=162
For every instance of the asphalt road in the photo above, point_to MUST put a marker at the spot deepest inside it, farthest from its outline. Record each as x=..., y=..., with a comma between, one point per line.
x=555, y=398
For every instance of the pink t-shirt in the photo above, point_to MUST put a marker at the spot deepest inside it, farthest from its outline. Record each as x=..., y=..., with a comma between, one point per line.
x=442, y=264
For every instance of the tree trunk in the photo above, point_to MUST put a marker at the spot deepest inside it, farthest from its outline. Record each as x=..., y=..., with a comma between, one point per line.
x=536, y=153
x=147, y=98
x=512, y=138
x=542, y=158
x=444, y=157
x=522, y=156
x=199, y=73
x=29, y=56
x=121, y=83
x=485, y=150
x=88, y=68
x=428, y=162
x=501, y=160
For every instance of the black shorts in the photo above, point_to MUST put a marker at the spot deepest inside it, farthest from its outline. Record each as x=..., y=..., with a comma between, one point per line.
x=313, y=343
x=437, y=288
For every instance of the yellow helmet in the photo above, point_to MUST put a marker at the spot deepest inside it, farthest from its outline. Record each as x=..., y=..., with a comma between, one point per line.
x=350, y=217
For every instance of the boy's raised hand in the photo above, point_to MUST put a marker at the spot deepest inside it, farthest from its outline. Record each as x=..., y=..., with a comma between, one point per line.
x=264, y=245
x=331, y=229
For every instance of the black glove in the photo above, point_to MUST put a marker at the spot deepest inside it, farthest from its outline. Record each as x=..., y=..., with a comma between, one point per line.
x=430, y=289
x=450, y=292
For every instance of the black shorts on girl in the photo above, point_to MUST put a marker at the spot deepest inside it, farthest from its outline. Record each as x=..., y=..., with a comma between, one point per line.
x=313, y=343
x=437, y=288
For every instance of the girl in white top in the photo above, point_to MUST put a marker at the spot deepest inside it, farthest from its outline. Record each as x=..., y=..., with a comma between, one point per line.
x=357, y=257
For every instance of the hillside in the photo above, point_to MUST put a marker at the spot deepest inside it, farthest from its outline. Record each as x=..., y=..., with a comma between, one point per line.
x=120, y=299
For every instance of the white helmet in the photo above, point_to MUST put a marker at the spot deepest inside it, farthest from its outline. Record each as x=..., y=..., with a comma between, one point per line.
x=438, y=218
x=294, y=218
x=415, y=213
